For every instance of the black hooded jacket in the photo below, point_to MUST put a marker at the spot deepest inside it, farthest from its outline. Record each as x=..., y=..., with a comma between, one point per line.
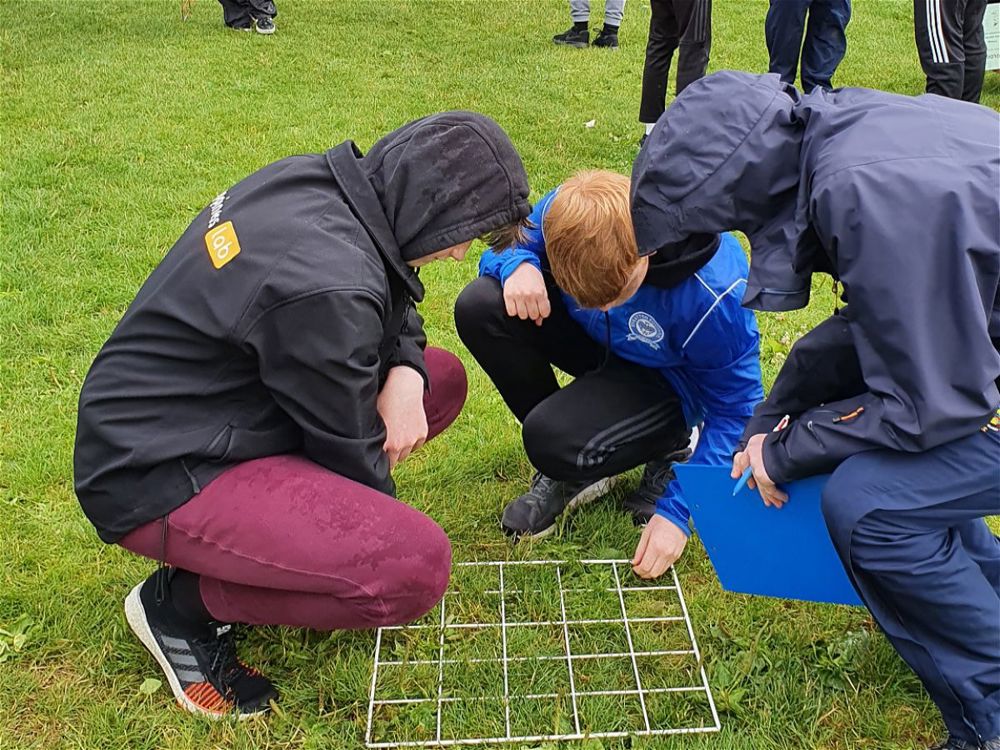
x=894, y=196
x=270, y=325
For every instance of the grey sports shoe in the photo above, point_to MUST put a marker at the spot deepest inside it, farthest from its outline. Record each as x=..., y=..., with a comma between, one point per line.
x=534, y=514
x=655, y=478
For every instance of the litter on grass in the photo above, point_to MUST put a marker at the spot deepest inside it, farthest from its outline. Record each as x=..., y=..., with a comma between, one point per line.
x=530, y=651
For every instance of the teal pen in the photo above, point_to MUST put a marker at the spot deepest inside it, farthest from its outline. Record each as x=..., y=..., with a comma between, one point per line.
x=748, y=472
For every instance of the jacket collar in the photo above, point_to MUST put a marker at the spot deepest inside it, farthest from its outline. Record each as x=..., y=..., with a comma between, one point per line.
x=364, y=203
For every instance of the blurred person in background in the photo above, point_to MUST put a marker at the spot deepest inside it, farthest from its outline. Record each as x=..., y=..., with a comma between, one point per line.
x=673, y=25
x=249, y=15
x=823, y=24
x=578, y=35
x=952, y=46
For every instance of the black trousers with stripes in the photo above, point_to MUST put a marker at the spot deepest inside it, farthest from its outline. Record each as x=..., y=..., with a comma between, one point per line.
x=614, y=416
x=673, y=24
x=952, y=46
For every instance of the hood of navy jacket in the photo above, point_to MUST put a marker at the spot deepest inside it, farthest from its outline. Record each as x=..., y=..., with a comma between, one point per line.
x=726, y=156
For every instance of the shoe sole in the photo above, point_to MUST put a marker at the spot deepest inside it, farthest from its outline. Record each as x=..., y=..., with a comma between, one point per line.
x=588, y=495
x=135, y=614
x=265, y=32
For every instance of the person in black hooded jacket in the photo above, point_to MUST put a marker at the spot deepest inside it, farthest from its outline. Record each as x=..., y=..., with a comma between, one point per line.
x=242, y=421
x=896, y=393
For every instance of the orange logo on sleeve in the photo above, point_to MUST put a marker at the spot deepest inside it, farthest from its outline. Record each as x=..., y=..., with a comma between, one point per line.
x=222, y=243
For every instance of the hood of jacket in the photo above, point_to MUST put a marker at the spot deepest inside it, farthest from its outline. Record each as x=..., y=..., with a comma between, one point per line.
x=724, y=156
x=674, y=263
x=435, y=182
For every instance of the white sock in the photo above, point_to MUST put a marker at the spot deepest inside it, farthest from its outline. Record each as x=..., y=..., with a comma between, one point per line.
x=649, y=127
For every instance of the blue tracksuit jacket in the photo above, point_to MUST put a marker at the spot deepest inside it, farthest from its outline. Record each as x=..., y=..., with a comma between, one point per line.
x=695, y=333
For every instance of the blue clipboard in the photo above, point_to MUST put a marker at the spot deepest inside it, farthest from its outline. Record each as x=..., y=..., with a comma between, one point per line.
x=755, y=549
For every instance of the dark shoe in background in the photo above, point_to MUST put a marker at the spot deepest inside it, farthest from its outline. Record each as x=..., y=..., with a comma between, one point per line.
x=573, y=37
x=264, y=25
x=606, y=39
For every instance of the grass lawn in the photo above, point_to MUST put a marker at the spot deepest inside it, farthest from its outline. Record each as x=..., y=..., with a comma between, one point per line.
x=120, y=122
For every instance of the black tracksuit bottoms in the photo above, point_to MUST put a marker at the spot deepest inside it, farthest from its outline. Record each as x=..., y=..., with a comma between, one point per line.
x=952, y=46
x=686, y=24
x=614, y=416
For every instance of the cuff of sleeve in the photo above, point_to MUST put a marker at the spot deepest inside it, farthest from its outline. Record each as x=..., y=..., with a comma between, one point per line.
x=680, y=523
x=514, y=263
x=776, y=459
x=418, y=368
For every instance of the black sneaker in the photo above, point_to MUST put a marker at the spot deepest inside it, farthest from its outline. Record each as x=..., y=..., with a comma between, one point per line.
x=264, y=25
x=573, y=37
x=953, y=743
x=199, y=660
x=608, y=39
x=642, y=141
x=655, y=478
x=535, y=513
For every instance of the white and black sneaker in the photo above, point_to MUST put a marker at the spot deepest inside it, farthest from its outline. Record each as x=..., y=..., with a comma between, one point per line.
x=264, y=25
x=534, y=514
x=198, y=659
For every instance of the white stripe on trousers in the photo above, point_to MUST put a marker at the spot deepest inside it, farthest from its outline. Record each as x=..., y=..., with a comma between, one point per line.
x=939, y=48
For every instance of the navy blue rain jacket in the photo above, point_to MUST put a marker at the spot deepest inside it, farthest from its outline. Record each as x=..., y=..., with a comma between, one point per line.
x=897, y=197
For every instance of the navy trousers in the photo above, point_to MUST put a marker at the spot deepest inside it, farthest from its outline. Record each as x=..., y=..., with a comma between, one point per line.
x=825, y=39
x=910, y=531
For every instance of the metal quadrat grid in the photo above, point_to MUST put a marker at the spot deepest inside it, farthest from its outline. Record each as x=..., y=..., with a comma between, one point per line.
x=529, y=651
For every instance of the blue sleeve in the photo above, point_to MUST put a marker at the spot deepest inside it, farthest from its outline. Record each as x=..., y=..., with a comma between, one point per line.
x=722, y=360
x=501, y=264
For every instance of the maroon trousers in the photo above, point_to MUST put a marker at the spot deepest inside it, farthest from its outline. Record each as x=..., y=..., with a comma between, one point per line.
x=283, y=541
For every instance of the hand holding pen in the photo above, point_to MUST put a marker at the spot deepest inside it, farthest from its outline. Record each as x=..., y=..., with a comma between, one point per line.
x=748, y=465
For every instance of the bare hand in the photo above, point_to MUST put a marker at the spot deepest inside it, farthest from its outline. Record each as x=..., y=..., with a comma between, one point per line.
x=753, y=457
x=661, y=544
x=525, y=296
x=401, y=406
